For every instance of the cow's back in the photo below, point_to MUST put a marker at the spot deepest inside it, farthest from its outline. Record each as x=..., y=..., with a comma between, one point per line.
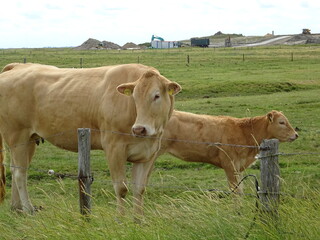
x=48, y=100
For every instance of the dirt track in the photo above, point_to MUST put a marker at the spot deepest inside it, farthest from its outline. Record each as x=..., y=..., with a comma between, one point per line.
x=277, y=40
x=268, y=40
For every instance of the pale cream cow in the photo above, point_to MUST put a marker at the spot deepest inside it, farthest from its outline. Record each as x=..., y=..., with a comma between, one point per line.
x=39, y=101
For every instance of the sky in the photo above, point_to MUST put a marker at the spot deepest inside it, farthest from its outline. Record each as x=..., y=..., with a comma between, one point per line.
x=68, y=23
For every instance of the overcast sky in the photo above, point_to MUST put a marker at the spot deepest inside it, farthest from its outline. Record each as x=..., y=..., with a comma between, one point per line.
x=60, y=23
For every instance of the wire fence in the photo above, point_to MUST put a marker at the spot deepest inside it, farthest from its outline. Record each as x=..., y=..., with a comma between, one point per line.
x=53, y=173
x=39, y=140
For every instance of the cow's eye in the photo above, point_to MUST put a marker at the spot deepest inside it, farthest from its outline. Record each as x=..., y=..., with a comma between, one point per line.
x=156, y=97
x=282, y=123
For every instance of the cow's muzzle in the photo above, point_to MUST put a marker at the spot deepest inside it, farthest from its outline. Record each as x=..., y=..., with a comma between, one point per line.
x=294, y=137
x=139, y=131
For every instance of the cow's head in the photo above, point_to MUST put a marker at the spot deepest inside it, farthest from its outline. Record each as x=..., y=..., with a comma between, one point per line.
x=280, y=128
x=153, y=97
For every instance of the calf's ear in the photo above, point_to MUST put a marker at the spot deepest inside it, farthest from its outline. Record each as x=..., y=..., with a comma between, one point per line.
x=270, y=116
x=126, y=88
x=173, y=88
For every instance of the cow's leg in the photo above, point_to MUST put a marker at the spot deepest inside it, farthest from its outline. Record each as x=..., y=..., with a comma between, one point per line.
x=117, y=166
x=234, y=178
x=15, y=198
x=140, y=176
x=21, y=158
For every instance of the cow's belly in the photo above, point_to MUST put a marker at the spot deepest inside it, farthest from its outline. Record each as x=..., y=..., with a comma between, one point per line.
x=68, y=139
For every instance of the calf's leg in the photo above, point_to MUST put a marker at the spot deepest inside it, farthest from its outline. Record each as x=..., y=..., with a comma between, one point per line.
x=234, y=178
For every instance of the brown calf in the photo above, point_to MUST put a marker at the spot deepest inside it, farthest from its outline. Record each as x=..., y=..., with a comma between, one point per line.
x=226, y=130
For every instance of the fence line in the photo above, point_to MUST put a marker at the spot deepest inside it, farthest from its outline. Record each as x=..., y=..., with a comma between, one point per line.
x=52, y=173
x=155, y=185
x=61, y=175
x=210, y=144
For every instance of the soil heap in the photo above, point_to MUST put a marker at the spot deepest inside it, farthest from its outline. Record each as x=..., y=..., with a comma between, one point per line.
x=96, y=44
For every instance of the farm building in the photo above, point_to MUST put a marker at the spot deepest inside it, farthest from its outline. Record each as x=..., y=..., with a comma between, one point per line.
x=159, y=42
x=165, y=44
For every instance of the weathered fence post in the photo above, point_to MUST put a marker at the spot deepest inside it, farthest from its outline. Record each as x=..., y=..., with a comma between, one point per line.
x=270, y=177
x=84, y=176
x=81, y=60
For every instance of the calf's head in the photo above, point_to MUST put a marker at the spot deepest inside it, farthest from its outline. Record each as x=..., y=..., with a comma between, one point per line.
x=280, y=128
x=153, y=96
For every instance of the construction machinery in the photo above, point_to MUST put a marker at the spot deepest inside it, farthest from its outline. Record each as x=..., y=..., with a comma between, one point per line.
x=155, y=37
x=200, y=42
x=306, y=31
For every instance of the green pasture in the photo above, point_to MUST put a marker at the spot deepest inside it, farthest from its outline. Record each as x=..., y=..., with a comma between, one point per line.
x=241, y=82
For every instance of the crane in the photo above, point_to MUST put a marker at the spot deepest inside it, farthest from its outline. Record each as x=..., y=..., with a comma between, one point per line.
x=157, y=38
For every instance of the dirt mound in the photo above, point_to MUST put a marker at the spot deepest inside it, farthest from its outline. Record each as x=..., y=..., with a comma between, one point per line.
x=218, y=33
x=130, y=45
x=304, y=39
x=96, y=44
x=110, y=45
x=89, y=44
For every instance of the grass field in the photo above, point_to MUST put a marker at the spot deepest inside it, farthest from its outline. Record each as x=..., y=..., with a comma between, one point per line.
x=238, y=82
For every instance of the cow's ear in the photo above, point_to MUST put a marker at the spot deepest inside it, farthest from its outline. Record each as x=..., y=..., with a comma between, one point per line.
x=126, y=88
x=270, y=116
x=173, y=88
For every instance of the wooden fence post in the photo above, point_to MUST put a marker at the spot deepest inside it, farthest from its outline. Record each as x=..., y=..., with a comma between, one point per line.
x=84, y=176
x=270, y=177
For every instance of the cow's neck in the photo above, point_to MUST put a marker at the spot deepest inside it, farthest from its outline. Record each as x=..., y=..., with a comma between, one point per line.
x=256, y=129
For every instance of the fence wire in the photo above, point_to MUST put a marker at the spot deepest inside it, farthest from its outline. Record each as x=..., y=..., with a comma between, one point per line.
x=51, y=172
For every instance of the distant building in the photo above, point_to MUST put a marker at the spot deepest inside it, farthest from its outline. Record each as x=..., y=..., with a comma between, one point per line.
x=165, y=44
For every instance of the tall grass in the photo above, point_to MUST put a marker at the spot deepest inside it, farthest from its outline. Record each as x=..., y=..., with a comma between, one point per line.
x=191, y=215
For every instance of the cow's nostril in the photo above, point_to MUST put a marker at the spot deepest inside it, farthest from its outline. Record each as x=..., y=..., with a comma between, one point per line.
x=139, y=131
x=297, y=135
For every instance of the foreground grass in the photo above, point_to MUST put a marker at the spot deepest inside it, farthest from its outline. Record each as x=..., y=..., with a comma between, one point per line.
x=190, y=215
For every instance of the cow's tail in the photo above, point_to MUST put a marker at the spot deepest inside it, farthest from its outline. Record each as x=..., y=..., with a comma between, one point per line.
x=2, y=171
x=10, y=66
x=2, y=152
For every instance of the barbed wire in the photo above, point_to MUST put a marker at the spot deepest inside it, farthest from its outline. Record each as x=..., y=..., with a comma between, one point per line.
x=51, y=172
x=258, y=191
x=258, y=156
x=41, y=139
